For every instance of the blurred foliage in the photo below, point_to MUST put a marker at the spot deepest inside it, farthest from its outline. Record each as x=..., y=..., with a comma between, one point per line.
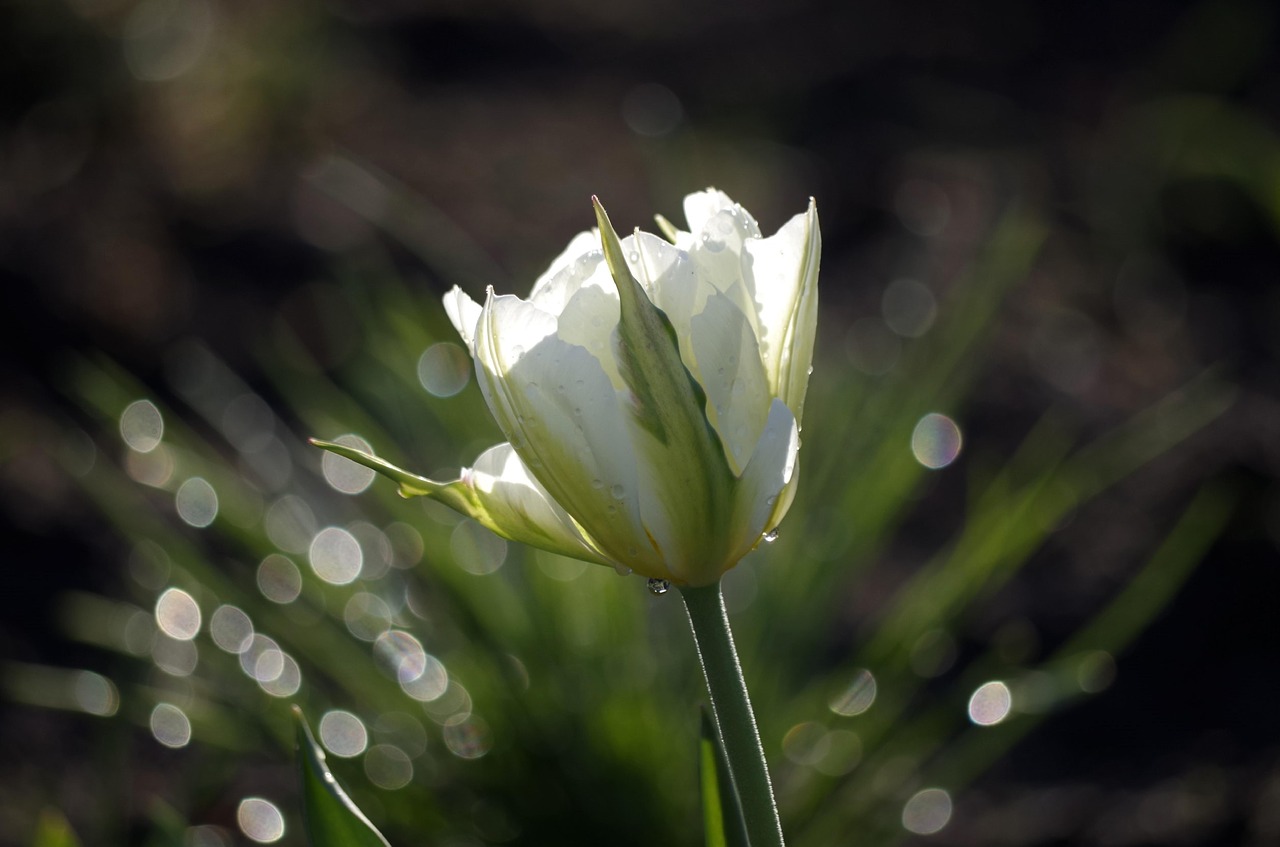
x=226, y=227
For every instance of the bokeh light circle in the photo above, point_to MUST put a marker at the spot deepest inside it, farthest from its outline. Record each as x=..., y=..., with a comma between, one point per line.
x=927, y=812
x=388, y=767
x=260, y=820
x=444, y=369
x=197, y=502
x=367, y=616
x=178, y=658
x=343, y=734
x=468, y=738
x=142, y=426
x=477, y=550
x=936, y=441
x=652, y=110
x=290, y=524
x=178, y=614
x=287, y=681
x=335, y=556
x=279, y=579
x=857, y=696
x=806, y=743
x=990, y=703
x=909, y=307
x=343, y=474
x=231, y=629
x=170, y=726
x=95, y=694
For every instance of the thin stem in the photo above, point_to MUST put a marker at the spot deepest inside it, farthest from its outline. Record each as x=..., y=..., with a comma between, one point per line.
x=732, y=709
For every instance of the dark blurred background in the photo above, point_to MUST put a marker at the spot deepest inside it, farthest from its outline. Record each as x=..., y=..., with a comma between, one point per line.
x=174, y=170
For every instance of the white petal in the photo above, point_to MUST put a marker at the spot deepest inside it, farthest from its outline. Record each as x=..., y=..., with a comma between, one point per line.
x=588, y=320
x=559, y=409
x=517, y=507
x=463, y=313
x=718, y=253
x=765, y=480
x=729, y=368
x=783, y=279
x=580, y=246
x=701, y=206
x=670, y=278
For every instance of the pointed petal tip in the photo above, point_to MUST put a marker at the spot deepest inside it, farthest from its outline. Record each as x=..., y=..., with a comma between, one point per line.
x=602, y=217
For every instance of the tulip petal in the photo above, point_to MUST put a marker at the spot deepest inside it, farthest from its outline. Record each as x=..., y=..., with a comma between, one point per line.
x=498, y=493
x=701, y=206
x=561, y=413
x=730, y=370
x=673, y=282
x=766, y=480
x=686, y=483
x=581, y=245
x=509, y=501
x=783, y=278
x=464, y=314
x=714, y=320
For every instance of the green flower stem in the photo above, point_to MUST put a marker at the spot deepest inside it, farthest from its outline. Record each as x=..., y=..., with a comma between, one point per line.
x=732, y=708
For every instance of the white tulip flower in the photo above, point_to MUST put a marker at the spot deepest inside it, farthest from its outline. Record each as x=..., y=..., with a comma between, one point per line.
x=650, y=391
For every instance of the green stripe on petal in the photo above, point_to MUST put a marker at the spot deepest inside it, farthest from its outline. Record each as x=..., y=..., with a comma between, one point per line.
x=686, y=481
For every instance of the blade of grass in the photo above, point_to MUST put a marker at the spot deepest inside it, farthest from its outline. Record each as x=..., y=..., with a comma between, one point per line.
x=53, y=830
x=331, y=819
x=721, y=810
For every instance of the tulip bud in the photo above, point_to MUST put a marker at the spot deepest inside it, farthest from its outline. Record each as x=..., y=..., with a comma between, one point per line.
x=650, y=392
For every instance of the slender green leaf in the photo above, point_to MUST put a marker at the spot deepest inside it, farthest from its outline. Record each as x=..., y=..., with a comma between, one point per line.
x=332, y=820
x=52, y=830
x=721, y=811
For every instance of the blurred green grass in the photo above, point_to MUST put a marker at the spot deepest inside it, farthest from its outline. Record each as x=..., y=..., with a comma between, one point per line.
x=569, y=712
x=529, y=699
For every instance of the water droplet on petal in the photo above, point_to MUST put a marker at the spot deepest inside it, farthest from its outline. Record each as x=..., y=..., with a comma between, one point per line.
x=621, y=569
x=633, y=256
x=597, y=484
x=659, y=586
x=770, y=536
x=618, y=492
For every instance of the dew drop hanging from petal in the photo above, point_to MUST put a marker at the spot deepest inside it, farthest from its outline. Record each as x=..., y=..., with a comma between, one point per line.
x=659, y=586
